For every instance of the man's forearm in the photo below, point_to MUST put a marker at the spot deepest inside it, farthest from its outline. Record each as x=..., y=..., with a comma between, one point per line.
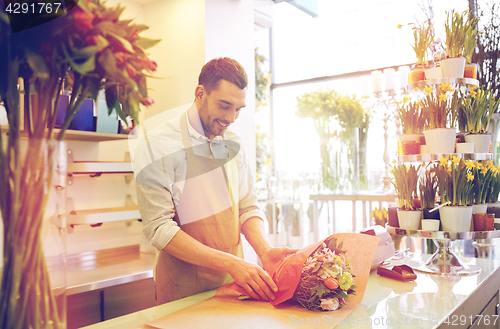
x=190, y=250
x=255, y=233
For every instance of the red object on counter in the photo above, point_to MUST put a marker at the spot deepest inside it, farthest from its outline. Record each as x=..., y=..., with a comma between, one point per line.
x=401, y=273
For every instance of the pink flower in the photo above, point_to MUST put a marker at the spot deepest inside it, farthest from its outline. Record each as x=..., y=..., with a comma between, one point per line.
x=148, y=64
x=91, y=40
x=130, y=70
x=83, y=20
x=120, y=57
x=148, y=101
x=330, y=304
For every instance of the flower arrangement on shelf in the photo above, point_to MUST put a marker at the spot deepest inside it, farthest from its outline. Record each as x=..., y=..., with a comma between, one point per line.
x=427, y=187
x=439, y=106
x=379, y=216
x=86, y=50
x=455, y=181
x=411, y=115
x=470, y=38
x=478, y=107
x=455, y=31
x=483, y=173
x=423, y=38
x=405, y=180
x=494, y=190
x=327, y=280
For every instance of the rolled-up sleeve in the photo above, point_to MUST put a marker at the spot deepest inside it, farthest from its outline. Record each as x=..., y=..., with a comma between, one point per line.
x=154, y=177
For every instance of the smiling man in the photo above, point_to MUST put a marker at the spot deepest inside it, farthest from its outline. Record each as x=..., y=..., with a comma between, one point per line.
x=196, y=194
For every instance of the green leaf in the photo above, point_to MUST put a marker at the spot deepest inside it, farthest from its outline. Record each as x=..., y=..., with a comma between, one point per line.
x=146, y=43
x=82, y=68
x=90, y=50
x=125, y=43
x=112, y=98
x=108, y=27
x=332, y=244
x=140, y=27
x=141, y=84
x=341, y=244
x=316, y=267
x=120, y=113
x=37, y=64
x=342, y=294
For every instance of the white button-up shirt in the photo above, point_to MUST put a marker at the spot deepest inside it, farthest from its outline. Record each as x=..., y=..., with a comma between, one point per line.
x=160, y=164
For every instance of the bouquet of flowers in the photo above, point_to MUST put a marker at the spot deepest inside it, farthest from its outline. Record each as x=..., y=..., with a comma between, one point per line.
x=326, y=281
x=321, y=276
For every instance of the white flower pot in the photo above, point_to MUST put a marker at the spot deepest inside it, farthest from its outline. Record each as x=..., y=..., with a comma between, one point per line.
x=453, y=67
x=433, y=73
x=409, y=219
x=481, y=142
x=479, y=208
x=456, y=218
x=410, y=137
x=440, y=140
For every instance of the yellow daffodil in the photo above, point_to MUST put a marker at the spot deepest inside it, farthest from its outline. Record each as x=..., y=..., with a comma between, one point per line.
x=473, y=94
x=470, y=177
x=443, y=161
x=400, y=26
x=406, y=99
x=473, y=87
x=416, y=89
x=446, y=87
x=428, y=90
x=456, y=160
x=470, y=164
x=442, y=97
x=484, y=170
x=393, y=161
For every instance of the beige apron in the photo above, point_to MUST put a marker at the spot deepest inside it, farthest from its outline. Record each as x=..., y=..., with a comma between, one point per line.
x=210, y=185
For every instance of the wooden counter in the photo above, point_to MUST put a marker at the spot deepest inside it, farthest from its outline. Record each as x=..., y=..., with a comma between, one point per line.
x=428, y=302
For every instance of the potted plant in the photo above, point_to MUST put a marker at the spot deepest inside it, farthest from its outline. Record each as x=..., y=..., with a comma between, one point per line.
x=478, y=107
x=492, y=195
x=470, y=42
x=87, y=49
x=423, y=38
x=455, y=184
x=410, y=114
x=454, y=64
x=427, y=187
x=483, y=174
x=440, y=110
x=405, y=180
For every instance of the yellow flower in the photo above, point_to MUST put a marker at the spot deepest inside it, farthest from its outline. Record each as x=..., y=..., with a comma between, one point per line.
x=400, y=26
x=456, y=160
x=470, y=164
x=470, y=177
x=473, y=93
x=443, y=161
x=394, y=161
x=446, y=87
x=479, y=165
x=442, y=97
x=416, y=89
x=473, y=87
x=406, y=99
x=428, y=90
x=484, y=170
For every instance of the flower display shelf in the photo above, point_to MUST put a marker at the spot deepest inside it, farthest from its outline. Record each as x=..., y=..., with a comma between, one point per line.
x=444, y=262
x=436, y=157
x=423, y=83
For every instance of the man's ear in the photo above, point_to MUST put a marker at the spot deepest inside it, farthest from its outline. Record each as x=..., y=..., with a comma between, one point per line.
x=199, y=92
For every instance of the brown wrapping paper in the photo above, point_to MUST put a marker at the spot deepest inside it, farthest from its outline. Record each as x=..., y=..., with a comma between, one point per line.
x=226, y=311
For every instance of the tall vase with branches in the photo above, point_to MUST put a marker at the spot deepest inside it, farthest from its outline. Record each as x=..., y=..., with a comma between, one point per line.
x=88, y=49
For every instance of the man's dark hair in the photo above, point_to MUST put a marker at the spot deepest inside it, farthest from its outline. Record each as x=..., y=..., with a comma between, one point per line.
x=222, y=69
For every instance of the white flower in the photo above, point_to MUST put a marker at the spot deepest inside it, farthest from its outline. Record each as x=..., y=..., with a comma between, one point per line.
x=330, y=304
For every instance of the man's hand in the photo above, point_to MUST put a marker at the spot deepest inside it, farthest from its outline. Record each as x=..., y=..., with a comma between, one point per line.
x=272, y=257
x=251, y=277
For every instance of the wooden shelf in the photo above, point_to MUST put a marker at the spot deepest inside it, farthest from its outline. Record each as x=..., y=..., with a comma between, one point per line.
x=79, y=135
x=105, y=215
x=436, y=157
x=99, y=167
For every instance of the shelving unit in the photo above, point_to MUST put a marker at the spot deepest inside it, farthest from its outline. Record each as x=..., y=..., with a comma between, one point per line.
x=96, y=168
x=423, y=83
x=436, y=157
x=105, y=215
x=78, y=135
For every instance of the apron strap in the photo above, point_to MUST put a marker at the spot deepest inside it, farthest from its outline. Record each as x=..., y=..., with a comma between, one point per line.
x=186, y=140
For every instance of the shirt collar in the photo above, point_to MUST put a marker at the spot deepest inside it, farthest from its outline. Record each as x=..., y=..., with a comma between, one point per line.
x=197, y=135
